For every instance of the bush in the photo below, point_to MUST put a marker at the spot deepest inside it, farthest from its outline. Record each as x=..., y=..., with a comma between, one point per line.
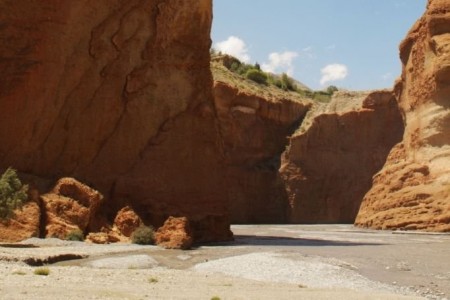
x=287, y=83
x=332, y=89
x=235, y=67
x=143, y=235
x=153, y=280
x=75, y=235
x=243, y=69
x=12, y=193
x=257, y=76
x=42, y=271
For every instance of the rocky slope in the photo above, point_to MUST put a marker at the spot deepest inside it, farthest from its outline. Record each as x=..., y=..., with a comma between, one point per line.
x=413, y=189
x=330, y=161
x=255, y=122
x=118, y=95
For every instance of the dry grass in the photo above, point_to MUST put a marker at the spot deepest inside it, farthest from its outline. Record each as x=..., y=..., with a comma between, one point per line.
x=42, y=271
x=19, y=273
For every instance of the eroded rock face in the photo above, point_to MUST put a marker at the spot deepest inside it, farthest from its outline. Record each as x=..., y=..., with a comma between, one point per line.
x=176, y=233
x=116, y=94
x=329, y=164
x=23, y=225
x=413, y=189
x=255, y=131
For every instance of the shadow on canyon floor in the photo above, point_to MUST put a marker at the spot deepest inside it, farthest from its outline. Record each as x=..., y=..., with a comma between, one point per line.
x=257, y=240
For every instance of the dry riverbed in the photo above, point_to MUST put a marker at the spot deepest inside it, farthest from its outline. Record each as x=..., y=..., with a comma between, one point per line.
x=264, y=262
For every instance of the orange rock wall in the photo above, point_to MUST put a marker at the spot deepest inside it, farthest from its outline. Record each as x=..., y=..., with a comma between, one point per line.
x=118, y=95
x=413, y=189
x=329, y=165
x=254, y=132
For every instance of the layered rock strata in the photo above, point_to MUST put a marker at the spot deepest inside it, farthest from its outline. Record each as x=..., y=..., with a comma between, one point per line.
x=118, y=95
x=329, y=164
x=254, y=129
x=412, y=191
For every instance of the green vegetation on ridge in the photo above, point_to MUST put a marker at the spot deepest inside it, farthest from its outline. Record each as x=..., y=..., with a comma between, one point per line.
x=268, y=82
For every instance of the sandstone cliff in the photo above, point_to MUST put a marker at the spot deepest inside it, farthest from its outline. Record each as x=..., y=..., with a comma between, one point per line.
x=413, y=189
x=118, y=95
x=255, y=122
x=330, y=161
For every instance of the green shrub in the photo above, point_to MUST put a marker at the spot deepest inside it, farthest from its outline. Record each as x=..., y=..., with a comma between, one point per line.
x=75, y=235
x=273, y=80
x=287, y=83
x=153, y=280
x=243, y=69
x=42, y=271
x=332, y=89
x=12, y=193
x=257, y=76
x=235, y=66
x=144, y=235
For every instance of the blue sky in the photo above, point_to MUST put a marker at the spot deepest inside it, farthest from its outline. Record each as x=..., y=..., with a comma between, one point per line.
x=352, y=44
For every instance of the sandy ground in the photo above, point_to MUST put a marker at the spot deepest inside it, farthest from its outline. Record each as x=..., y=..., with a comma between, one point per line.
x=264, y=262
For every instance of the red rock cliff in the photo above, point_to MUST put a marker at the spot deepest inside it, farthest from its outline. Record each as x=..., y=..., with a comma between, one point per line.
x=255, y=129
x=330, y=162
x=118, y=95
x=413, y=189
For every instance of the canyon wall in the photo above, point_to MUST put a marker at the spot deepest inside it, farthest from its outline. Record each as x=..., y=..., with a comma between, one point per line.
x=254, y=130
x=412, y=191
x=329, y=164
x=118, y=95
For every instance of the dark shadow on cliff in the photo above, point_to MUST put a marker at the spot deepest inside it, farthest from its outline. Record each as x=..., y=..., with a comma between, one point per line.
x=251, y=240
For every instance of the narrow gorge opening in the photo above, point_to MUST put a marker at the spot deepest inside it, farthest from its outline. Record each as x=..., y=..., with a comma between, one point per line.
x=295, y=154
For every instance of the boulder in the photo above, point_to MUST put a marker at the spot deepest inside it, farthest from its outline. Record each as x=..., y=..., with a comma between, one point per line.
x=176, y=233
x=104, y=237
x=69, y=206
x=127, y=221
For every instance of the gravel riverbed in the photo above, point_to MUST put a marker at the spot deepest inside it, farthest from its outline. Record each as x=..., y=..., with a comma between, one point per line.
x=264, y=262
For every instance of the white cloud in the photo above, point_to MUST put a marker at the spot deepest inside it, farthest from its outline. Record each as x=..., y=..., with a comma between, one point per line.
x=333, y=72
x=234, y=46
x=280, y=62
